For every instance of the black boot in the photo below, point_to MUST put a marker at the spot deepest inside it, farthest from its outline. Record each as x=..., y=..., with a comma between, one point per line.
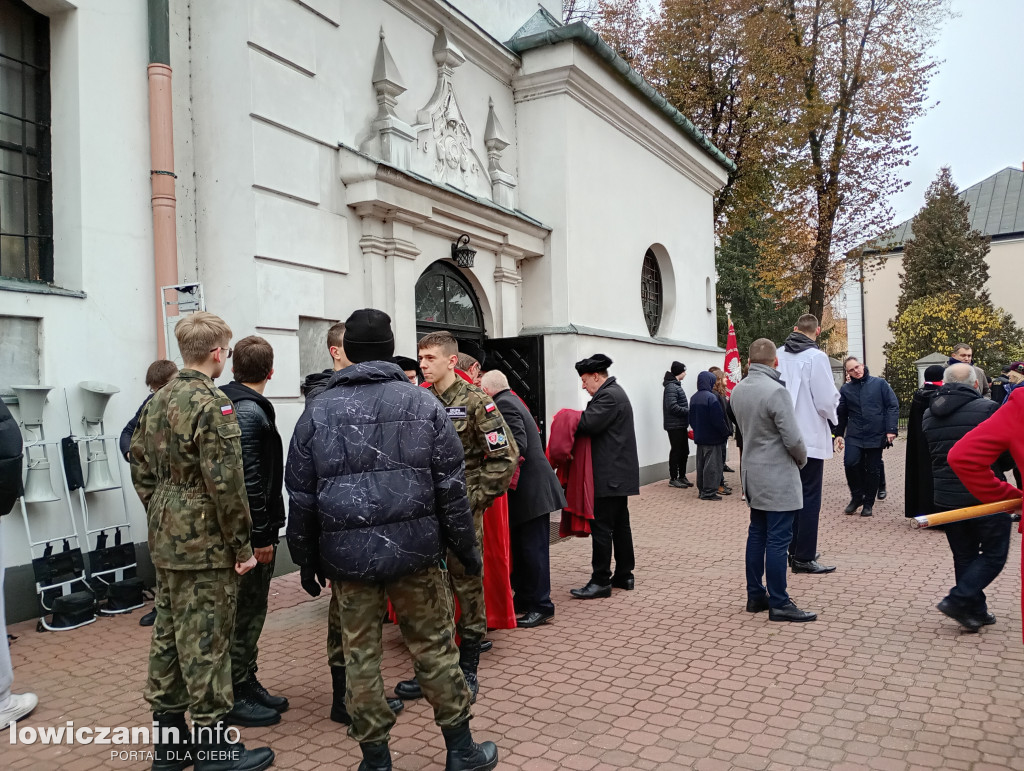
x=469, y=662
x=248, y=711
x=171, y=752
x=339, y=713
x=279, y=703
x=376, y=756
x=149, y=619
x=214, y=752
x=466, y=755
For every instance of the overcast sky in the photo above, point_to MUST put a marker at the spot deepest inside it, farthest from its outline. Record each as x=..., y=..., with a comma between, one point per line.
x=977, y=127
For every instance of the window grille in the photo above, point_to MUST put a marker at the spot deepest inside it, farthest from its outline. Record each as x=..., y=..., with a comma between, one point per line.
x=651, y=293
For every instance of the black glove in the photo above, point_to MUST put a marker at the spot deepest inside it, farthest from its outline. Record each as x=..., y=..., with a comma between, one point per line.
x=311, y=579
x=473, y=563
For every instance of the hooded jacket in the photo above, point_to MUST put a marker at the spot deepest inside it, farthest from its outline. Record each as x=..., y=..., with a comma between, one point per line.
x=262, y=461
x=10, y=460
x=956, y=408
x=868, y=410
x=675, y=408
x=315, y=384
x=707, y=418
x=375, y=478
x=807, y=375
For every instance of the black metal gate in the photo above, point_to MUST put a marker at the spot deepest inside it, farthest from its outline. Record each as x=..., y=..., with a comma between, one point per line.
x=522, y=361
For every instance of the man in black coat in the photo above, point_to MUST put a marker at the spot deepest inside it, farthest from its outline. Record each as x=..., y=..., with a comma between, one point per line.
x=869, y=414
x=531, y=499
x=263, y=462
x=980, y=546
x=608, y=421
x=917, y=496
x=378, y=494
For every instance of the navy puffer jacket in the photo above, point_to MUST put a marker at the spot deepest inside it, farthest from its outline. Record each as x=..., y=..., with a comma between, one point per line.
x=868, y=410
x=707, y=418
x=376, y=479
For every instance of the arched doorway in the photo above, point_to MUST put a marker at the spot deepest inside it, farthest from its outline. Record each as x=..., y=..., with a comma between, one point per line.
x=445, y=300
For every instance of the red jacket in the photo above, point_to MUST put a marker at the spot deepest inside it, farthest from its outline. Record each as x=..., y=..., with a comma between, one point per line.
x=569, y=456
x=972, y=457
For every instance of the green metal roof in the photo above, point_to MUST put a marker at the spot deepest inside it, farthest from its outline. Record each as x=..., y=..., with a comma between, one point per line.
x=997, y=210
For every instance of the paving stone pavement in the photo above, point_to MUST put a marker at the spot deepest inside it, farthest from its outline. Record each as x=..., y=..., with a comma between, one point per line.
x=674, y=675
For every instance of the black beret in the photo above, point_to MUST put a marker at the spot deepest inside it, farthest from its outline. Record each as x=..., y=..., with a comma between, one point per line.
x=472, y=348
x=596, y=363
x=405, y=363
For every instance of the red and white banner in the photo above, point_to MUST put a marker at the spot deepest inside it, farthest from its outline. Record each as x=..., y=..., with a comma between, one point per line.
x=733, y=368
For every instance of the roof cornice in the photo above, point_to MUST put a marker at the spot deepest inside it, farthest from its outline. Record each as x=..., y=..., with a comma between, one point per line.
x=581, y=33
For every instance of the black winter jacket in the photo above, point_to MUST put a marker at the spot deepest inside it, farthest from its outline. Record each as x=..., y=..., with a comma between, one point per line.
x=376, y=479
x=674, y=406
x=608, y=421
x=868, y=410
x=124, y=444
x=956, y=408
x=707, y=416
x=263, y=460
x=316, y=384
x=538, y=491
x=10, y=460
x=917, y=490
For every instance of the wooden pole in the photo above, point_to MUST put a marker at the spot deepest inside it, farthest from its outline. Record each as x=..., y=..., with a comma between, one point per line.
x=971, y=512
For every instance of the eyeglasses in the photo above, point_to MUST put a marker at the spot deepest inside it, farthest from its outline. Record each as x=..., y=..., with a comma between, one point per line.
x=222, y=348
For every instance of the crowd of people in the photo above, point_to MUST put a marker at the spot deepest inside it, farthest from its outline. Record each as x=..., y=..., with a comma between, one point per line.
x=421, y=489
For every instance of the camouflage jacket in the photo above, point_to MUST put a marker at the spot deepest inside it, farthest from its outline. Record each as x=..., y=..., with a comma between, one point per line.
x=491, y=452
x=187, y=469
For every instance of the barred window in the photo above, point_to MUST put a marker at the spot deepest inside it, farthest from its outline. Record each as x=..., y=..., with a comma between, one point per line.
x=26, y=205
x=651, y=293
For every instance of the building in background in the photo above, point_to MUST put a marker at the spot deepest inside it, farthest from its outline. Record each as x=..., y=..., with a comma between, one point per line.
x=327, y=155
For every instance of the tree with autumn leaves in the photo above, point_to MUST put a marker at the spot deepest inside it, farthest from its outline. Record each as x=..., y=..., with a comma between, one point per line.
x=811, y=99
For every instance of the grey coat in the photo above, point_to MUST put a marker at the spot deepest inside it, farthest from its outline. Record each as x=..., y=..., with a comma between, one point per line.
x=773, y=448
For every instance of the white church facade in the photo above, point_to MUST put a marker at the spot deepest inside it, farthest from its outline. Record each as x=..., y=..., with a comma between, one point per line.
x=327, y=155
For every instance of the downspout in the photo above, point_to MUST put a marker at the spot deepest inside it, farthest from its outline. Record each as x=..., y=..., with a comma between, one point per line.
x=161, y=154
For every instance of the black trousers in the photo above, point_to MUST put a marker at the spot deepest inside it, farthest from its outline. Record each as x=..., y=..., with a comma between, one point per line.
x=610, y=532
x=863, y=471
x=805, y=524
x=679, y=453
x=980, y=548
x=531, y=565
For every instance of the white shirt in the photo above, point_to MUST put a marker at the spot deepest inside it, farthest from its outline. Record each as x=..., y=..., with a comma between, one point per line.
x=808, y=378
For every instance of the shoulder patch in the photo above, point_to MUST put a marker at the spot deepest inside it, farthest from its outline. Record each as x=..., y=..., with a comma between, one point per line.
x=226, y=409
x=496, y=440
x=490, y=407
x=456, y=413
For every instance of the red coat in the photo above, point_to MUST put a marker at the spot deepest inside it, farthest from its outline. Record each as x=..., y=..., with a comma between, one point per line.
x=569, y=456
x=972, y=457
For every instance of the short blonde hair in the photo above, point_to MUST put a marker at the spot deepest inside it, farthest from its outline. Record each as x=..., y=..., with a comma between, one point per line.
x=198, y=334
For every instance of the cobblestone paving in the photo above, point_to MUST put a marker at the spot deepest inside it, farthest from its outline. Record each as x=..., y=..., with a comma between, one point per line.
x=674, y=675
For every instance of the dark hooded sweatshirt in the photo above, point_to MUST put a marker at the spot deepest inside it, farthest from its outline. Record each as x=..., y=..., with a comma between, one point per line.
x=707, y=418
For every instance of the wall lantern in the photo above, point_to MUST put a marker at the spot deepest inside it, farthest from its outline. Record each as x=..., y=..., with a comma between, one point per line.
x=461, y=252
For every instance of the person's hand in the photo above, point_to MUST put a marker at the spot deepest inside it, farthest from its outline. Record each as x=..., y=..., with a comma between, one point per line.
x=244, y=567
x=263, y=554
x=311, y=580
x=473, y=563
x=839, y=443
x=890, y=437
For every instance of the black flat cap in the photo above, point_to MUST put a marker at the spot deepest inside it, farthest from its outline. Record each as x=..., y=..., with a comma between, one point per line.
x=596, y=363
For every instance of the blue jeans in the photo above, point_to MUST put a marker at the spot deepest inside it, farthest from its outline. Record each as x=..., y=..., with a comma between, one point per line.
x=767, y=542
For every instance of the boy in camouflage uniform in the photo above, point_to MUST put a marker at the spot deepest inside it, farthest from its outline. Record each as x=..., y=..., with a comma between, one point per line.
x=187, y=470
x=491, y=459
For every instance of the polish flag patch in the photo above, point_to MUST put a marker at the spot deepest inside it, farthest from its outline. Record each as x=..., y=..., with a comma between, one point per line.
x=227, y=409
x=490, y=407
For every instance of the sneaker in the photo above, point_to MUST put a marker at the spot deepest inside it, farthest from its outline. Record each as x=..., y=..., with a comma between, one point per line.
x=19, y=705
x=678, y=483
x=712, y=497
x=725, y=490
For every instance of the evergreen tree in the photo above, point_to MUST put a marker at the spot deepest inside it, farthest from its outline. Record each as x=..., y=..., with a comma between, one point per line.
x=945, y=256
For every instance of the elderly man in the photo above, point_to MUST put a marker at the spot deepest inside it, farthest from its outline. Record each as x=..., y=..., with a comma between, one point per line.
x=608, y=421
x=773, y=454
x=808, y=377
x=964, y=354
x=868, y=416
x=531, y=499
x=979, y=546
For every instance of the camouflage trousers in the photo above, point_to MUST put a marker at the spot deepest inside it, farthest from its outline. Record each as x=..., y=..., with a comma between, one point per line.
x=253, y=591
x=469, y=590
x=423, y=605
x=189, y=657
x=335, y=650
